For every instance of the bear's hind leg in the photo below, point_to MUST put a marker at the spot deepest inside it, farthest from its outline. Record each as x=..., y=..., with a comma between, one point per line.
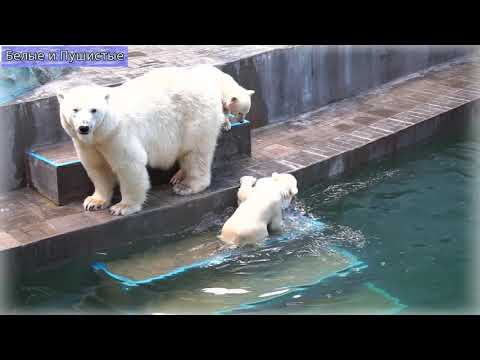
x=197, y=163
x=197, y=169
x=276, y=225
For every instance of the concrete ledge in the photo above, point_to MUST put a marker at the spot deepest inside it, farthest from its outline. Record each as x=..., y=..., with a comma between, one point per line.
x=446, y=124
x=288, y=80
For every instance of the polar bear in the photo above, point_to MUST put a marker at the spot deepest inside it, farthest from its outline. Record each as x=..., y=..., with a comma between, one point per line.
x=260, y=209
x=236, y=100
x=166, y=115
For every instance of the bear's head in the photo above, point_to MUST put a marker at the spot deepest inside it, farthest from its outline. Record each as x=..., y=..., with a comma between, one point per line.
x=82, y=110
x=247, y=180
x=239, y=103
x=288, y=187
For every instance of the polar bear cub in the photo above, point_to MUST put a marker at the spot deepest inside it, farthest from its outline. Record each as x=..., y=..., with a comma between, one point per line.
x=260, y=209
x=236, y=100
x=166, y=115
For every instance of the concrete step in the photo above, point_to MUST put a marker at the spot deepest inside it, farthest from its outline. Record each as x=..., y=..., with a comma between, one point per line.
x=56, y=172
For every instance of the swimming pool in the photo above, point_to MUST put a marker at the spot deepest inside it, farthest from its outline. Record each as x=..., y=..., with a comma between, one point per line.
x=393, y=238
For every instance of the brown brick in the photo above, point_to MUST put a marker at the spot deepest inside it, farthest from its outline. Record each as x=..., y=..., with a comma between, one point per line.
x=20, y=236
x=277, y=150
x=350, y=140
x=325, y=150
x=72, y=222
x=7, y=241
x=383, y=112
x=344, y=127
x=369, y=134
x=389, y=125
x=365, y=120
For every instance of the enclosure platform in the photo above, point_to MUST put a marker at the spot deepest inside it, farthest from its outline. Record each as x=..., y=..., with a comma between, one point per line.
x=338, y=138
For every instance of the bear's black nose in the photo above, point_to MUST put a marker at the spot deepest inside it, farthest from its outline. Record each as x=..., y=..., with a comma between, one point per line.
x=84, y=129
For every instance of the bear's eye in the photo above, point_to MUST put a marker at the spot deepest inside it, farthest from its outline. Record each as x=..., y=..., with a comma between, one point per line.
x=93, y=111
x=75, y=110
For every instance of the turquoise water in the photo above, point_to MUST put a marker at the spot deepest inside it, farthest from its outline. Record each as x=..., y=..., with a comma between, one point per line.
x=402, y=228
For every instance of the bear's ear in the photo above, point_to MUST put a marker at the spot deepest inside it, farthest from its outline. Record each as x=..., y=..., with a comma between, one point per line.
x=250, y=92
x=60, y=97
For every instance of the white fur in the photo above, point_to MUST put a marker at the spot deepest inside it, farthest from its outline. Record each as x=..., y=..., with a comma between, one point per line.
x=246, y=187
x=236, y=100
x=166, y=115
x=260, y=208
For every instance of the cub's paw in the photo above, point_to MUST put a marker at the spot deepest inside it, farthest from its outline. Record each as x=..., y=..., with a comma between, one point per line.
x=227, y=125
x=124, y=209
x=93, y=203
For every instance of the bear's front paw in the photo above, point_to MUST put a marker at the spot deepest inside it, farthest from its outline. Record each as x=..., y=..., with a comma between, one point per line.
x=124, y=209
x=93, y=203
x=227, y=125
x=182, y=189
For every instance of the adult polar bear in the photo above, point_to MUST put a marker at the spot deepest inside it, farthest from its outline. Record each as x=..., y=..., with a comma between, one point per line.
x=168, y=114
